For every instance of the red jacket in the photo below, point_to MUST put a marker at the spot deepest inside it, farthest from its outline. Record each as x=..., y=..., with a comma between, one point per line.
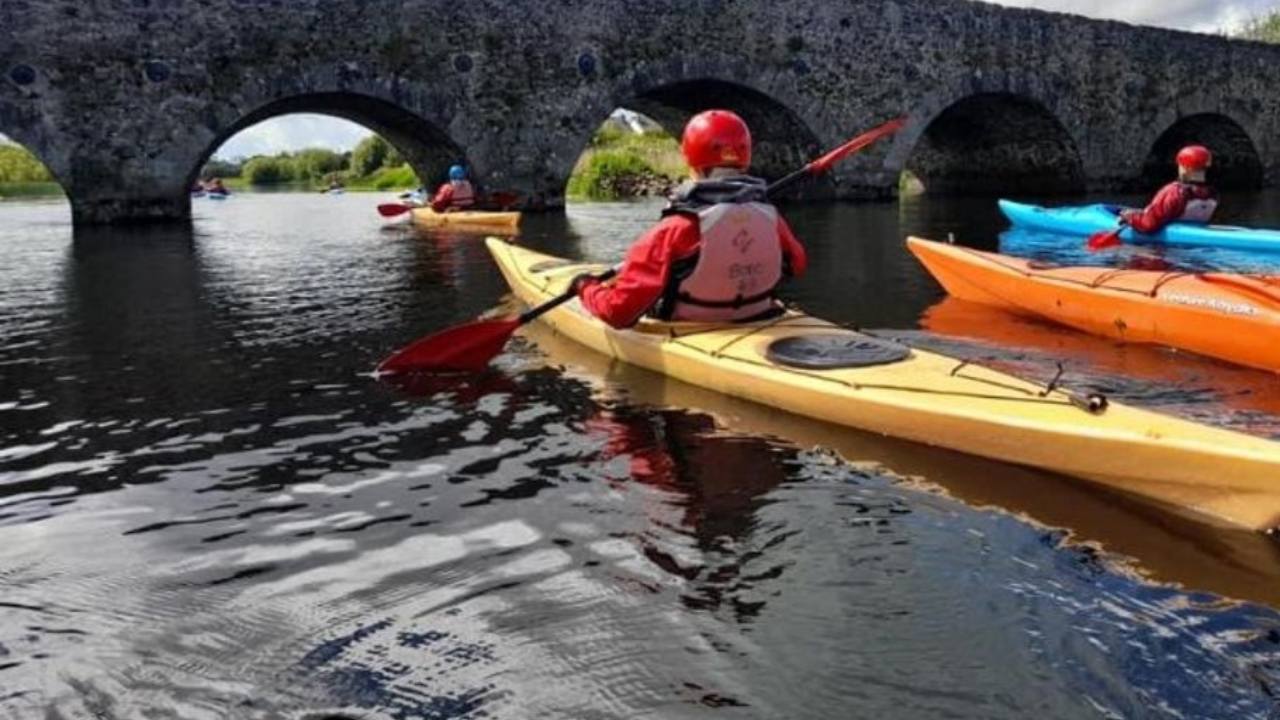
x=648, y=264
x=1168, y=205
x=450, y=197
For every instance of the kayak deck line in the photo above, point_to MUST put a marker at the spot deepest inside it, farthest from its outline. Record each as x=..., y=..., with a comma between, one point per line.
x=1090, y=403
x=1032, y=268
x=1040, y=396
x=1217, y=476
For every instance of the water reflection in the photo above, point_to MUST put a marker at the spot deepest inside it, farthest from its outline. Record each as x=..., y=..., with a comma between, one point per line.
x=1067, y=250
x=1167, y=547
x=207, y=509
x=710, y=487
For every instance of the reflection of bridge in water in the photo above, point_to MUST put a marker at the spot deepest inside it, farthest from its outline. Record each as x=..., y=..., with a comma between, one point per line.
x=125, y=104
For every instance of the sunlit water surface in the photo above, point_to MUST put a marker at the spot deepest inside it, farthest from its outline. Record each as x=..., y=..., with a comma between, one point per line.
x=209, y=510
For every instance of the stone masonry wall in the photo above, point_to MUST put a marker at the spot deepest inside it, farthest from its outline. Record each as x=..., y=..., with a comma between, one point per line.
x=125, y=99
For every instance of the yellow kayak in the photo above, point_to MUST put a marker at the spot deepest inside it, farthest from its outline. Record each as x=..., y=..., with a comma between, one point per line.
x=484, y=219
x=929, y=398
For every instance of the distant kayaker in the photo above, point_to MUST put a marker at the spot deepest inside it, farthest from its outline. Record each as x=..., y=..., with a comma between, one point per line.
x=1187, y=199
x=414, y=197
x=215, y=187
x=457, y=194
x=721, y=248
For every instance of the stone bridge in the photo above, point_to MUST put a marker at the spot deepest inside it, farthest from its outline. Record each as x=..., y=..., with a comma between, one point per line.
x=124, y=100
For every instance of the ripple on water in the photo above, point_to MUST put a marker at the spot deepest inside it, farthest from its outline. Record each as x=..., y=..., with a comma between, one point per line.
x=206, y=511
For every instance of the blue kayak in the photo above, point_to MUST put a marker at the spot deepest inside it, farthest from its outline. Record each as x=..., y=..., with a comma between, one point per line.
x=1089, y=219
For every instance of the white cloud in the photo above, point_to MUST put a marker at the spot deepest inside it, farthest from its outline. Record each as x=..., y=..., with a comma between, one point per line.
x=288, y=133
x=1209, y=16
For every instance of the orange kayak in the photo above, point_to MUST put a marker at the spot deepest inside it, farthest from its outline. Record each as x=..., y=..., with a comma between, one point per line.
x=1236, y=387
x=1230, y=317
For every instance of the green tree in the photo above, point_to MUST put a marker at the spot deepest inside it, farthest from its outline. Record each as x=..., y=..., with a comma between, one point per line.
x=394, y=158
x=370, y=155
x=17, y=164
x=314, y=163
x=1265, y=28
x=262, y=170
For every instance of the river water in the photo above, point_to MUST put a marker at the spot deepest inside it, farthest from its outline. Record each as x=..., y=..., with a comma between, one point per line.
x=208, y=509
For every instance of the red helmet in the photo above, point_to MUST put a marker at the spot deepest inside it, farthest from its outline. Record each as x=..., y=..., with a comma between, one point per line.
x=1195, y=157
x=716, y=138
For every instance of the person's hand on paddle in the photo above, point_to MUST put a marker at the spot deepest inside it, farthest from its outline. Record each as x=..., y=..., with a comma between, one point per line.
x=581, y=281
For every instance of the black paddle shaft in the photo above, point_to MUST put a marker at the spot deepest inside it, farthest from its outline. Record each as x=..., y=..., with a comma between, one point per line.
x=535, y=312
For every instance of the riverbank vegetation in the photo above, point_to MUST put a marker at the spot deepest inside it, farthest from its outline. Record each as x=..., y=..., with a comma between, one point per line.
x=1265, y=28
x=23, y=175
x=373, y=165
x=622, y=162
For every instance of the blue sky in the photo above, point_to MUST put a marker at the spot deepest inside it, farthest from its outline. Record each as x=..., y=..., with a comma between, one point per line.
x=294, y=132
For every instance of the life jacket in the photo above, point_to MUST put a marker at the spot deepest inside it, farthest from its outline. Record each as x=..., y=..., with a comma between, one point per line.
x=739, y=261
x=464, y=196
x=1202, y=201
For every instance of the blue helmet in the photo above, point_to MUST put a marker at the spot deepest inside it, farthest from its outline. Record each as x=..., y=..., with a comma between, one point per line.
x=457, y=172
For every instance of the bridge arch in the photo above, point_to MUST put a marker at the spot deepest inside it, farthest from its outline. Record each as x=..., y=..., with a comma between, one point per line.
x=992, y=143
x=1237, y=164
x=426, y=146
x=782, y=139
x=520, y=89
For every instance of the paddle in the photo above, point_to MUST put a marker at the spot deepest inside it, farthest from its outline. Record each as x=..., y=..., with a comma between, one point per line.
x=393, y=209
x=473, y=345
x=1106, y=238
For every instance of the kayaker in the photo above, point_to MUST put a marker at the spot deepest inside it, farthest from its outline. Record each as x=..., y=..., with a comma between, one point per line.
x=1187, y=199
x=414, y=197
x=721, y=248
x=457, y=194
x=215, y=187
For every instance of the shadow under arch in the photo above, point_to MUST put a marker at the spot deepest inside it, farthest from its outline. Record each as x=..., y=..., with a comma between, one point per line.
x=781, y=141
x=1236, y=164
x=426, y=146
x=996, y=143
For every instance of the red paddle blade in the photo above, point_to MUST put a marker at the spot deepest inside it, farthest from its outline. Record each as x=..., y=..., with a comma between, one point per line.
x=1104, y=240
x=393, y=209
x=462, y=348
x=820, y=165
